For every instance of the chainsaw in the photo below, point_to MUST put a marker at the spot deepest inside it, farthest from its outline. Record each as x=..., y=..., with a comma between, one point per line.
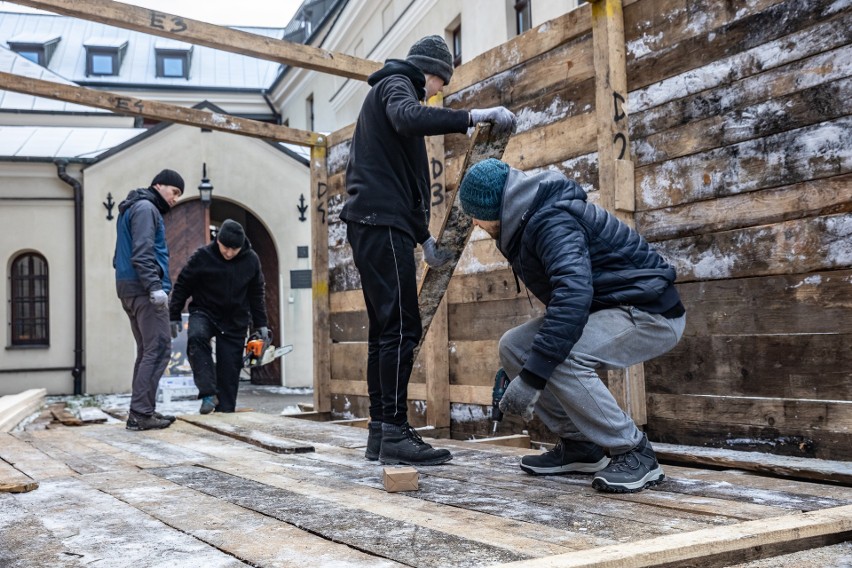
x=259, y=352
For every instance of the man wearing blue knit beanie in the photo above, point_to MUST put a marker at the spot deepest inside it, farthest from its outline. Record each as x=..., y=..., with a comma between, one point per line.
x=611, y=303
x=387, y=216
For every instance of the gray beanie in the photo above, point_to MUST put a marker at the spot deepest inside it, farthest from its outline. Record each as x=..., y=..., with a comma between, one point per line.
x=431, y=55
x=231, y=234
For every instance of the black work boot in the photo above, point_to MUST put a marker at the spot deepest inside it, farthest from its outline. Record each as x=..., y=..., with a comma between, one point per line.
x=401, y=444
x=631, y=471
x=374, y=440
x=568, y=456
x=168, y=417
x=136, y=421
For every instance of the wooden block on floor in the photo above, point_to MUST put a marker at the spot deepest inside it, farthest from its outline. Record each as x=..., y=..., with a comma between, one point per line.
x=400, y=479
x=13, y=481
x=16, y=407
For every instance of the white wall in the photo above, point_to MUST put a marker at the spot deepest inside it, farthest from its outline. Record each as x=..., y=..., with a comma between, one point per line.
x=246, y=171
x=45, y=227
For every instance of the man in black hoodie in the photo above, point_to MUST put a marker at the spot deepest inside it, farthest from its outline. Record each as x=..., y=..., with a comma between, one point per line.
x=226, y=283
x=610, y=303
x=142, y=282
x=387, y=214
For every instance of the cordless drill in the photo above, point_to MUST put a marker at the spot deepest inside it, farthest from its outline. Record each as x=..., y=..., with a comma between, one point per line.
x=501, y=381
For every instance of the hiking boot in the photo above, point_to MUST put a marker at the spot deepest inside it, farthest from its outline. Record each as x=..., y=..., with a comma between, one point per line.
x=168, y=417
x=567, y=456
x=208, y=404
x=374, y=441
x=136, y=421
x=401, y=444
x=631, y=471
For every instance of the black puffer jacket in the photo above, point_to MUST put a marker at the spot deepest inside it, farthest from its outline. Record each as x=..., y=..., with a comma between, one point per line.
x=229, y=292
x=576, y=258
x=387, y=177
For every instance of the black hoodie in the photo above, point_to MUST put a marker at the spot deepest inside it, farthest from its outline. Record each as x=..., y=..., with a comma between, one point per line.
x=229, y=292
x=387, y=177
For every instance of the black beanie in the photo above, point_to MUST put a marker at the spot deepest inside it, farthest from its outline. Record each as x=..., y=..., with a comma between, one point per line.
x=231, y=234
x=168, y=177
x=431, y=55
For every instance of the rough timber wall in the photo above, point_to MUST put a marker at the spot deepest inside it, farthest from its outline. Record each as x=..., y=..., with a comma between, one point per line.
x=740, y=132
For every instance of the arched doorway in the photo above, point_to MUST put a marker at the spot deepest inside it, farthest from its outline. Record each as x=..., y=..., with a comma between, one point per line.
x=188, y=227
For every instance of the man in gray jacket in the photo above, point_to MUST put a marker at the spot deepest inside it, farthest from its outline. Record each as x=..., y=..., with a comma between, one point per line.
x=142, y=282
x=610, y=303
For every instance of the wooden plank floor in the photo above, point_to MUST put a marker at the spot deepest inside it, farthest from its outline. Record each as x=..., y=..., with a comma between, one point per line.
x=251, y=489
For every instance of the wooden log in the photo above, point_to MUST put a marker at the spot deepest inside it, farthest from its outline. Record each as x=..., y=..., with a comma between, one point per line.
x=126, y=105
x=319, y=279
x=16, y=407
x=456, y=229
x=823, y=471
x=218, y=37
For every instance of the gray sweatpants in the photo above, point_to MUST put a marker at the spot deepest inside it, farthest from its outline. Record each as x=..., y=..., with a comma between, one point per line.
x=576, y=404
x=150, y=326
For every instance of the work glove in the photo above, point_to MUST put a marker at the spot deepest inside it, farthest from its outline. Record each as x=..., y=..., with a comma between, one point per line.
x=435, y=257
x=159, y=298
x=263, y=331
x=174, y=328
x=520, y=398
x=502, y=118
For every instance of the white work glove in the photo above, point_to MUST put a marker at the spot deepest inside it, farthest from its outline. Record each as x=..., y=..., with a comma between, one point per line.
x=520, y=398
x=435, y=257
x=502, y=118
x=159, y=298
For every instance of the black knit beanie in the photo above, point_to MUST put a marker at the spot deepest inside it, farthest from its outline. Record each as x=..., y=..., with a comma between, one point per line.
x=431, y=55
x=168, y=177
x=231, y=234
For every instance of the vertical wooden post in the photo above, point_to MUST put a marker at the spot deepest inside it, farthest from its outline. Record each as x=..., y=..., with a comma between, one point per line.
x=435, y=356
x=616, y=182
x=319, y=277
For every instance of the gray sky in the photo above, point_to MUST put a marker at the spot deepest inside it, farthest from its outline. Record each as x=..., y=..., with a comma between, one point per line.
x=264, y=13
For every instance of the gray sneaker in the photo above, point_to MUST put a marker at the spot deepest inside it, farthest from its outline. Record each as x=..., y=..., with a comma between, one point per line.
x=208, y=404
x=568, y=456
x=374, y=441
x=136, y=421
x=631, y=471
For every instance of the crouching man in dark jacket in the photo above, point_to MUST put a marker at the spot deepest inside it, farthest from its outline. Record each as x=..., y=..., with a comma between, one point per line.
x=225, y=281
x=610, y=303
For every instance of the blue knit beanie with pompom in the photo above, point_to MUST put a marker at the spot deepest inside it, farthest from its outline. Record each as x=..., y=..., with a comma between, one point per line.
x=481, y=190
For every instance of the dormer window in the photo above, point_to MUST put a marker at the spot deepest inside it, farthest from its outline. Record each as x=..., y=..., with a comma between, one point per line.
x=173, y=59
x=38, y=48
x=104, y=56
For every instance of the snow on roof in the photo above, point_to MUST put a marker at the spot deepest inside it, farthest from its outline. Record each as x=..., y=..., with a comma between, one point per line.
x=61, y=142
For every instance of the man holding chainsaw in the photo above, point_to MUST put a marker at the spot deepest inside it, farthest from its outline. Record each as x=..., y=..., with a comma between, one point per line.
x=226, y=284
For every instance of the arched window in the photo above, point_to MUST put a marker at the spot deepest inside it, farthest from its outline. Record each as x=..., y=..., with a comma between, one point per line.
x=29, y=300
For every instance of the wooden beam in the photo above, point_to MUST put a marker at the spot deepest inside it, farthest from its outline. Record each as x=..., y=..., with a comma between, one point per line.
x=617, y=191
x=456, y=228
x=319, y=279
x=201, y=33
x=123, y=104
x=729, y=541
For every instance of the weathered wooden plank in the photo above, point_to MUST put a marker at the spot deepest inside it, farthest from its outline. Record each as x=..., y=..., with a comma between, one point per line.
x=320, y=278
x=349, y=301
x=812, y=366
x=248, y=435
x=483, y=286
x=474, y=363
x=224, y=525
x=789, y=466
x=127, y=105
x=477, y=321
x=792, y=247
x=63, y=415
x=784, y=414
x=26, y=540
x=30, y=460
x=218, y=37
x=748, y=540
x=764, y=207
x=349, y=326
x=92, y=415
x=14, y=481
x=16, y=407
x=95, y=527
x=456, y=228
x=808, y=153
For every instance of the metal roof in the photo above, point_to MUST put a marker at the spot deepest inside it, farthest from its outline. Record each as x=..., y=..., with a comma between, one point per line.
x=11, y=62
x=209, y=68
x=61, y=142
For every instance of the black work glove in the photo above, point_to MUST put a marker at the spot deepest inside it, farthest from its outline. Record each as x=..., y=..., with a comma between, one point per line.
x=520, y=398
